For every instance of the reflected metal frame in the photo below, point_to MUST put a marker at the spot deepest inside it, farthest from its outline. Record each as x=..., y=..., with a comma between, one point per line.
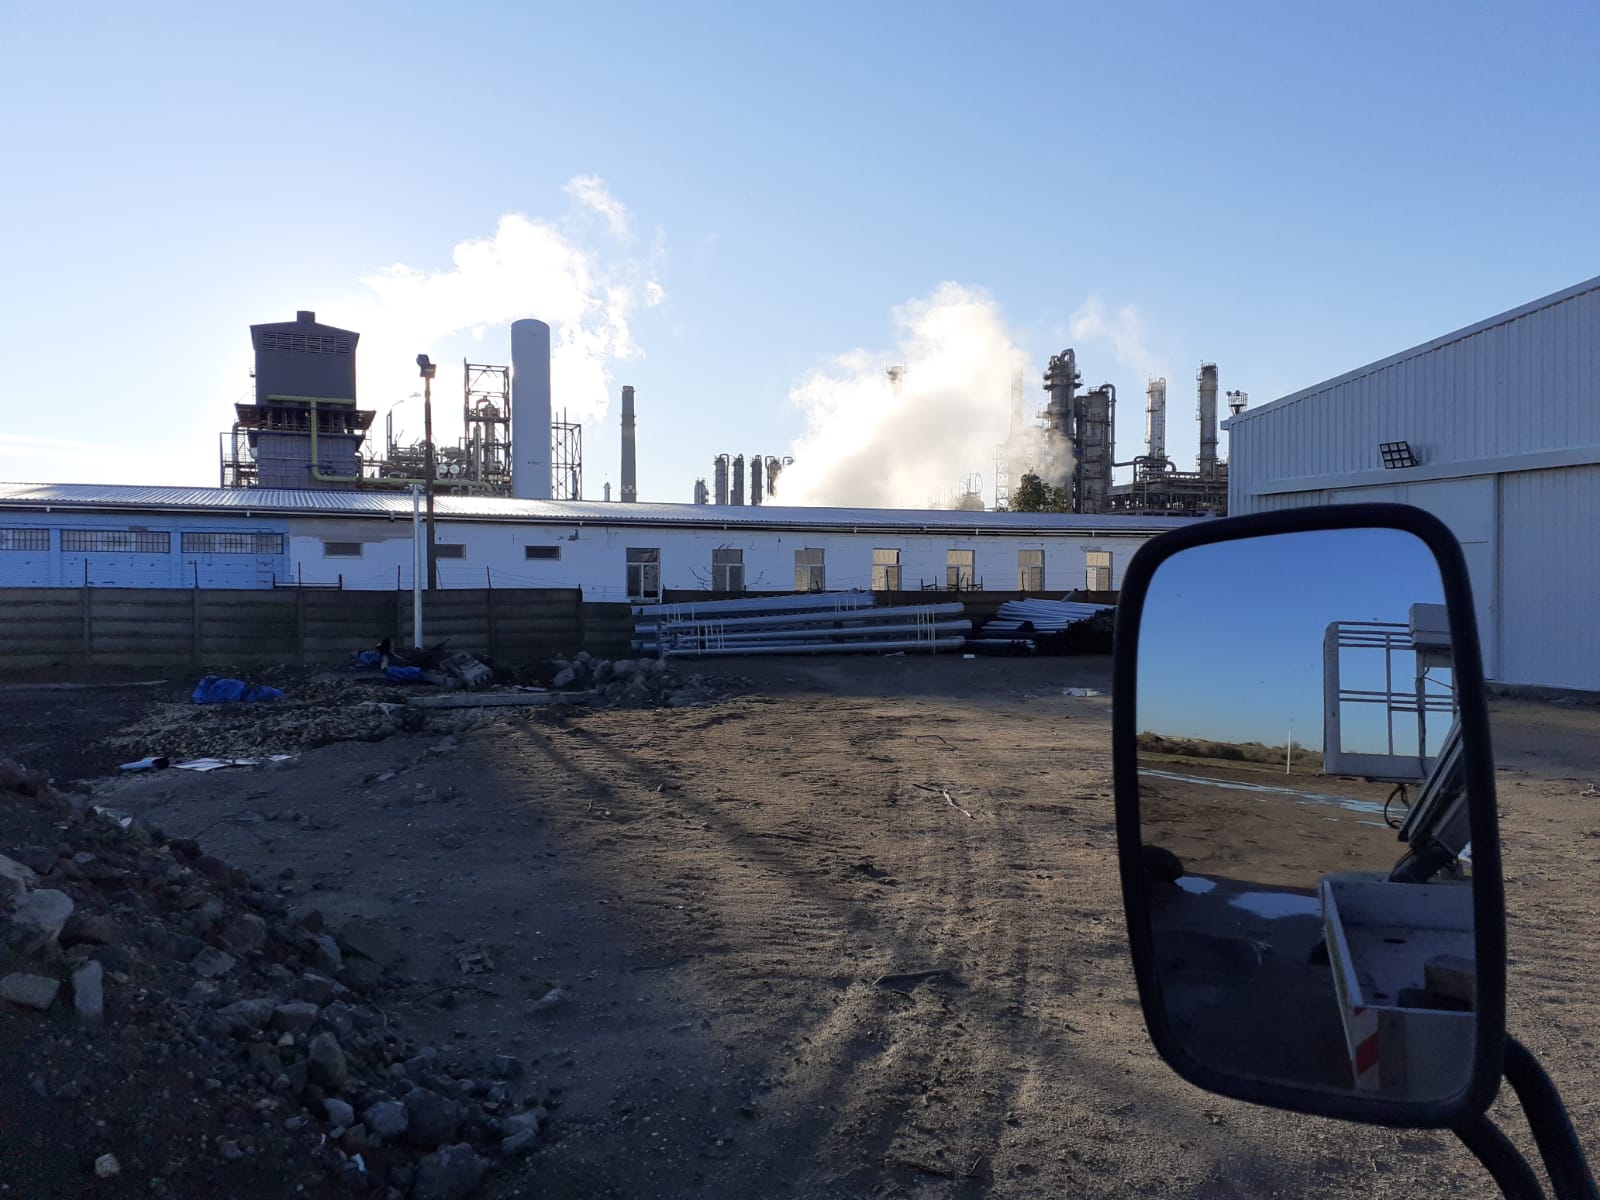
x=1488, y=895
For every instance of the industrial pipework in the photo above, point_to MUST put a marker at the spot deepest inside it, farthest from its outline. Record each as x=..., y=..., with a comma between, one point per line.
x=738, y=480
x=719, y=473
x=1206, y=377
x=755, y=479
x=1237, y=403
x=630, y=470
x=701, y=495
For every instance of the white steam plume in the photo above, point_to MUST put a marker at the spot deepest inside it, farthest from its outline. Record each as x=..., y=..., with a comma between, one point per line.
x=527, y=268
x=1124, y=331
x=590, y=191
x=871, y=442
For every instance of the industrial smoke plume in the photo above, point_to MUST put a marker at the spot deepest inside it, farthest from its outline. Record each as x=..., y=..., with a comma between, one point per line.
x=871, y=441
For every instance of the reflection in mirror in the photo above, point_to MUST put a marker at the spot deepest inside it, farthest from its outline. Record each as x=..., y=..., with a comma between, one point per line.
x=1307, y=864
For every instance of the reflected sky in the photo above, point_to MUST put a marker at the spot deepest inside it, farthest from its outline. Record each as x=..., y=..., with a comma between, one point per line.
x=1230, y=644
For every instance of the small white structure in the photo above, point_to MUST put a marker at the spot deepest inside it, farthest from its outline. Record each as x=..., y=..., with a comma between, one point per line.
x=1495, y=429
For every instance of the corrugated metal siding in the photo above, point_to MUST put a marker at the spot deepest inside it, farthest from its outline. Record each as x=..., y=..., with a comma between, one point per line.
x=1524, y=382
x=1550, y=578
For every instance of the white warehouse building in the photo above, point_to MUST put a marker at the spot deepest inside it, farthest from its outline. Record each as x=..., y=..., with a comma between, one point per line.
x=77, y=535
x=1495, y=429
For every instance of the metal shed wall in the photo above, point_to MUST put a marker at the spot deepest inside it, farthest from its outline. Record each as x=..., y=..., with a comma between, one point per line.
x=1504, y=417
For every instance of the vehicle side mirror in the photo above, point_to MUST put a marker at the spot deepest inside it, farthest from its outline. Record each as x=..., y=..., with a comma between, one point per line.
x=1305, y=814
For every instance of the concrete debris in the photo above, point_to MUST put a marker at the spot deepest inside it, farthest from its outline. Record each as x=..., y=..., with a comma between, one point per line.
x=431, y=1119
x=632, y=683
x=30, y=991
x=452, y=1173
x=208, y=993
x=88, y=993
x=42, y=914
x=15, y=876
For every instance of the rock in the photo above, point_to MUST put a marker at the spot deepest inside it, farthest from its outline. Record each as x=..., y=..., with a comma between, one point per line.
x=565, y=678
x=452, y=1173
x=339, y=1113
x=518, y=1143
x=316, y=988
x=431, y=1119
x=30, y=991
x=523, y=1122
x=15, y=877
x=42, y=914
x=325, y=1064
x=370, y=940
x=88, y=992
x=244, y=932
x=212, y=867
x=245, y=1017
x=549, y=1000
x=296, y=1017
x=325, y=954
x=387, y=1119
x=361, y=975
x=94, y=929
x=212, y=963
x=107, y=1166
x=602, y=674
x=504, y=1066
x=229, y=1149
x=624, y=667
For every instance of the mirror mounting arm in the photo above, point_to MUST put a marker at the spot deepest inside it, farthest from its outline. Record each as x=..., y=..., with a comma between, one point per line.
x=1552, y=1128
x=1491, y=1147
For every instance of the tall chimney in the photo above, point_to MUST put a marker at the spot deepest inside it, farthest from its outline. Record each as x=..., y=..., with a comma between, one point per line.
x=530, y=410
x=719, y=493
x=755, y=479
x=738, y=480
x=702, y=495
x=1155, y=424
x=1207, y=379
x=630, y=468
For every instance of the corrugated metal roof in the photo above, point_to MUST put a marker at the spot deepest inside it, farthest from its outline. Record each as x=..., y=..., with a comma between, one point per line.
x=386, y=504
x=1505, y=318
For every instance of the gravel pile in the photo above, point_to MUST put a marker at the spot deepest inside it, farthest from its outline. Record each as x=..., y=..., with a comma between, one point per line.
x=169, y=1028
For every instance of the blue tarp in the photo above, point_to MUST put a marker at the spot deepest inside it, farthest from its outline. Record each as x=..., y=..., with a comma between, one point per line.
x=368, y=658
x=404, y=674
x=212, y=690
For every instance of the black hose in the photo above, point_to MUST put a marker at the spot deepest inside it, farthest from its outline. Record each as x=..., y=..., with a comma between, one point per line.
x=1552, y=1128
x=1494, y=1150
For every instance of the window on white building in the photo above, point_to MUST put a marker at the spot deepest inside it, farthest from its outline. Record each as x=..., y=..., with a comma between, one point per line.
x=24, y=539
x=1098, y=570
x=1030, y=570
x=233, y=543
x=449, y=550
x=116, y=541
x=809, y=574
x=341, y=549
x=545, y=552
x=644, y=573
x=958, y=570
x=886, y=570
x=727, y=570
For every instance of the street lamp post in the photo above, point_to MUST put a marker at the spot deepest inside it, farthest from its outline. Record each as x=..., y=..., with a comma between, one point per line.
x=428, y=370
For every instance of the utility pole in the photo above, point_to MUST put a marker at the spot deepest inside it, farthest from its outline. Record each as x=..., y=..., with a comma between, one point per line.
x=428, y=370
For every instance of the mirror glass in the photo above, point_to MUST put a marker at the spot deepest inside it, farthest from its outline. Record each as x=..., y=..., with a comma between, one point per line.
x=1303, y=823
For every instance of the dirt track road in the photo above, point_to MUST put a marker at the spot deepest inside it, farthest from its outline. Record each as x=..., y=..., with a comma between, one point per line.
x=717, y=889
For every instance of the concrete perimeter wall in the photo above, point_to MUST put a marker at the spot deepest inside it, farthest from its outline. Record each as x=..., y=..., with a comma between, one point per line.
x=44, y=628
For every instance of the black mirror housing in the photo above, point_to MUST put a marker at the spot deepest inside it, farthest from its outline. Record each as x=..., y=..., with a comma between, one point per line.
x=1471, y=761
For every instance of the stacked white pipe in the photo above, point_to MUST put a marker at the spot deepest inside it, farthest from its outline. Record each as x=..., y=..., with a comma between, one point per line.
x=817, y=623
x=1015, y=624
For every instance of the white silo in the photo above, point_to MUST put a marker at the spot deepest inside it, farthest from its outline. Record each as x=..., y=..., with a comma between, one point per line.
x=530, y=410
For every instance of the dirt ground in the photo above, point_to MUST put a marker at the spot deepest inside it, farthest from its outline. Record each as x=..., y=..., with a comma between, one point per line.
x=719, y=891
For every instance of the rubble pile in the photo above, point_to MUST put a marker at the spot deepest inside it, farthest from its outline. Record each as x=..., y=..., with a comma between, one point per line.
x=316, y=713
x=630, y=682
x=171, y=1027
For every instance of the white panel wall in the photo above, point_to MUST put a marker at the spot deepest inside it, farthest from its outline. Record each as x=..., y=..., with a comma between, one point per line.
x=594, y=557
x=1550, y=578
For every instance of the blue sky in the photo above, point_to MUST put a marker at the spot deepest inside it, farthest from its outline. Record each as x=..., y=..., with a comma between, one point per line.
x=1243, y=622
x=1285, y=192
